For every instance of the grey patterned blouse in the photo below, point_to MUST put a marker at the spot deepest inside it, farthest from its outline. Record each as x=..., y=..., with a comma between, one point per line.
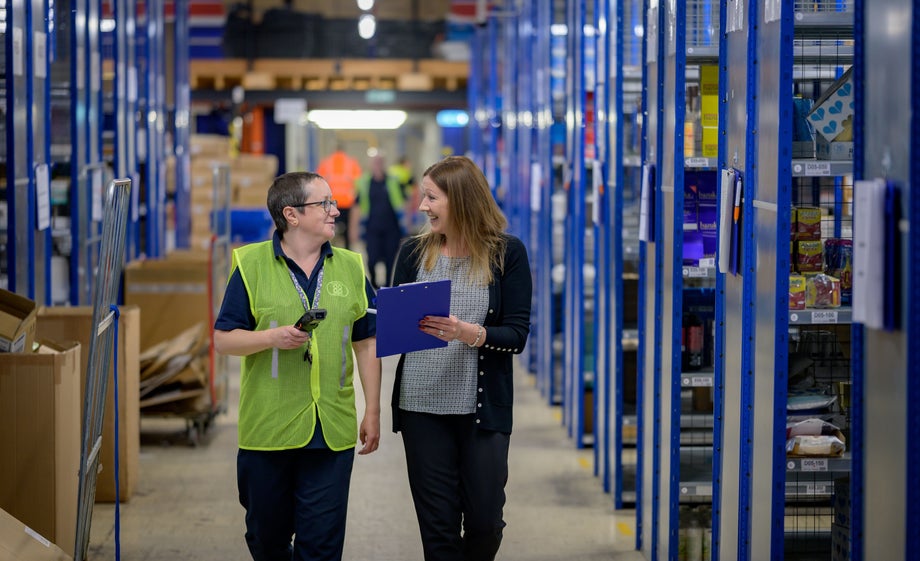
x=443, y=380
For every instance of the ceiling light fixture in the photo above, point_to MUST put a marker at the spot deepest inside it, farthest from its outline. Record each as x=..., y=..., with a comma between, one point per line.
x=367, y=26
x=361, y=119
x=366, y=5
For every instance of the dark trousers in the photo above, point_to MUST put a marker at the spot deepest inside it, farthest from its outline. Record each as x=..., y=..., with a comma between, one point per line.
x=457, y=474
x=382, y=245
x=341, y=225
x=301, y=493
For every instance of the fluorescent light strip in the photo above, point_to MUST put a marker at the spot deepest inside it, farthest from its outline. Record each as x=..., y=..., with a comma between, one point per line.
x=361, y=119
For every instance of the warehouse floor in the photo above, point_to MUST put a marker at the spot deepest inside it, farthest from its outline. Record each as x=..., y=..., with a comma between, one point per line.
x=185, y=505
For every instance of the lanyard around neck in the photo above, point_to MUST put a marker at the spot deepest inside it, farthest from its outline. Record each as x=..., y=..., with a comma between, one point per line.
x=300, y=291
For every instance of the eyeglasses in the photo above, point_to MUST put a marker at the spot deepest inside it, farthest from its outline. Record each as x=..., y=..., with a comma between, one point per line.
x=327, y=204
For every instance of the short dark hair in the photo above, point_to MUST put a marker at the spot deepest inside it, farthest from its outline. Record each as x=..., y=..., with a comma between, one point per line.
x=289, y=189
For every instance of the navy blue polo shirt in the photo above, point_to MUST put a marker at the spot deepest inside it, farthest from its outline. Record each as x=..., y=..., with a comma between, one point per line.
x=235, y=311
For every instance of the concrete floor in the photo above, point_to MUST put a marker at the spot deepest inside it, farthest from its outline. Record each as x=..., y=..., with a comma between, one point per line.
x=185, y=506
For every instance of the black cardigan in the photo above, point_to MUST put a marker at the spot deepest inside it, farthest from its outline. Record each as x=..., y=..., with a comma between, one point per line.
x=507, y=325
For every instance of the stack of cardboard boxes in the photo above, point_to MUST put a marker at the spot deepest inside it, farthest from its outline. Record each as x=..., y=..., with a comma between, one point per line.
x=250, y=176
x=41, y=415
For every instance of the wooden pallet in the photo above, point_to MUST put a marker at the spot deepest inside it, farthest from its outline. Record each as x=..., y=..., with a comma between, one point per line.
x=219, y=74
x=329, y=74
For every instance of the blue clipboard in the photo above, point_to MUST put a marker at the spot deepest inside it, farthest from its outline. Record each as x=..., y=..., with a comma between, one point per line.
x=400, y=308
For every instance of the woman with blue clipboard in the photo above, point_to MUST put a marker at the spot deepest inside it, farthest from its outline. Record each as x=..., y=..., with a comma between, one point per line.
x=453, y=403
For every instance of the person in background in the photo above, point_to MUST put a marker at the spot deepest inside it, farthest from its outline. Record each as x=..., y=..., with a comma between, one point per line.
x=453, y=404
x=341, y=171
x=402, y=171
x=297, y=415
x=380, y=206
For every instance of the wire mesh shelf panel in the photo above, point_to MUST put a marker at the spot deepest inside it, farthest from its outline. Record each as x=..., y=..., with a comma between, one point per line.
x=702, y=23
x=633, y=31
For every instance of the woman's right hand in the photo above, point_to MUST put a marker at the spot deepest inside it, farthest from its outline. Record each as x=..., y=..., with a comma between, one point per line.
x=288, y=337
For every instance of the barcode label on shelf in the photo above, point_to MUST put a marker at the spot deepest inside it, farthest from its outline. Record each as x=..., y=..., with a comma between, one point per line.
x=814, y=464
x=824, y=316
x=813, y=169
x=701, y=381
x=696, y=272
x=816, y=489
x=708, y=262
x=696, y=162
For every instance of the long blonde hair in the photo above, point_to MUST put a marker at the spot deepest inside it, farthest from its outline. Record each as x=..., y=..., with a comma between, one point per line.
x=478, y=221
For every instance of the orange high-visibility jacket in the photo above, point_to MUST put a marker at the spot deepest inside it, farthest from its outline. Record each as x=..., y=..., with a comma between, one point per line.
x=341, y=171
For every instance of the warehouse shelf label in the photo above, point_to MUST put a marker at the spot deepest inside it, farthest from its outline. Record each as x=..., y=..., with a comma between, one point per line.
x=840, y=315
x=693, y=490
x=696, y=381
x=818, y=488
x=700, y=162
x=817, y=168
x=811, y=464
x=708, y=263
x=824, y=316
x=698, y=272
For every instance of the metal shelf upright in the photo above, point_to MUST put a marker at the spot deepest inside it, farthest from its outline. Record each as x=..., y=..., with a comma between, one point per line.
x=541, y=184
x=887, y=481
x=152, y=109
x=27, y=150
x=602, y=199
x=574, y=303
x=623, y=156
x=181, y=124
x=648, y=375
x=125, y=105
x=88, y=169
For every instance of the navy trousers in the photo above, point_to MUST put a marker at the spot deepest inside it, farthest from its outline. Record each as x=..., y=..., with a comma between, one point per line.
x=457, y=475
x=301, y=493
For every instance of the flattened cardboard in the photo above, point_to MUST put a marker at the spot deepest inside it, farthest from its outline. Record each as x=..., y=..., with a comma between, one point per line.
x=18, y=542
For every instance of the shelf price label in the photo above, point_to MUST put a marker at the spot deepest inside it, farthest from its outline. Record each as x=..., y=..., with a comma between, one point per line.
x=815, y=169
x=697, y=381
x=696, y=162
x=696, y=272
x=816, y=489
x=814, y=464
x=824, y=316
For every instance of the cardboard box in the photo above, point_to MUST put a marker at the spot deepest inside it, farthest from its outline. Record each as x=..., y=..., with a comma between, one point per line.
x=808, y=223
x=17, y=322
x=834, y=107
x=809, y=256
x=18, y=542
x=40, y=437
x=836, y=150
x=796, y=292
x=172, y=294
x=76, y=323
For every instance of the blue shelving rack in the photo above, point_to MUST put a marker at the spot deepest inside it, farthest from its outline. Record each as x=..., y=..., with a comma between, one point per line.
x=27, y=153
x=768, y=501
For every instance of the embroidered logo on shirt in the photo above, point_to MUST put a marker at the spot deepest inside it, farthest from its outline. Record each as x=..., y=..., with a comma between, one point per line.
x=337, y=288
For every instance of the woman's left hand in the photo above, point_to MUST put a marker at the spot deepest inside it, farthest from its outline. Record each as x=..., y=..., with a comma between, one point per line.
x=444, y=328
